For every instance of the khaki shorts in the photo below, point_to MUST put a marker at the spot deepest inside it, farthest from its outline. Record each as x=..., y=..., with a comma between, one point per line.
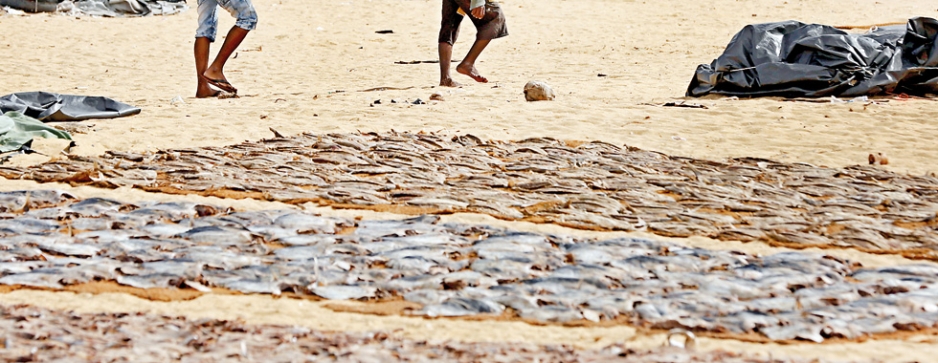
x=208, y=18
x=491, y=26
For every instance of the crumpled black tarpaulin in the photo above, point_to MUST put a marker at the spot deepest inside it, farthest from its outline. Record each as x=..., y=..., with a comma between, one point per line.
x=110, y=8
x=45, y=106
x=792, y=59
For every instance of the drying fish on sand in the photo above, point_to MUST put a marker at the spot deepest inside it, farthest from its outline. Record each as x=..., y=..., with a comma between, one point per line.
x=30, y=334
x=29, y=199
x=591, y=185
x=456, y=270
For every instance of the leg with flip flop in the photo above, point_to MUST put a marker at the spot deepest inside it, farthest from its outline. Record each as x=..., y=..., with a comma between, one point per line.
x=212, y=75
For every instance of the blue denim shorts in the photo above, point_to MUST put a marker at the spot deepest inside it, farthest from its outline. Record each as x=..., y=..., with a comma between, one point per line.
x=243, y=10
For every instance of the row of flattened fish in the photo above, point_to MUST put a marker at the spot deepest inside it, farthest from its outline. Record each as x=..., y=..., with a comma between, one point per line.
x=29, y=334
x=593, y=185
x=49, y=240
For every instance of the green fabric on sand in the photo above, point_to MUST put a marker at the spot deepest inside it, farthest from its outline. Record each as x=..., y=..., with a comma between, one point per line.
x=17, y=129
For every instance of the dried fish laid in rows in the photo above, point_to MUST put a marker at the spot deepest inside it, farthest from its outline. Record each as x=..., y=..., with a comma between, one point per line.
x=452, y=270
x=23, y=201
x=30, y=334
x=592, y=185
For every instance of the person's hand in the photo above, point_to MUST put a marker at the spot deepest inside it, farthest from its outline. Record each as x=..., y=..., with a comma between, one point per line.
x=478, y=12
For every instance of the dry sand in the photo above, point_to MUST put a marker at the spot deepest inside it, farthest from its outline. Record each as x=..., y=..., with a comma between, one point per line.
x=303, y=52
x=649, y=51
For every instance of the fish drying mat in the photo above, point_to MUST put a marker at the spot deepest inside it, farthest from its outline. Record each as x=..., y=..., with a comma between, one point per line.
x=591, y=185
x=50, y=240
x=42, y=335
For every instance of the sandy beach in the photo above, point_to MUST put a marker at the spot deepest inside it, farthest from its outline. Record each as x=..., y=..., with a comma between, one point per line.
x=319, y=67
x=290, y=69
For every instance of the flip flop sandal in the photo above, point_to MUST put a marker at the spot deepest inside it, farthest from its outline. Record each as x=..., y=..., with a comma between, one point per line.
x=221, y=84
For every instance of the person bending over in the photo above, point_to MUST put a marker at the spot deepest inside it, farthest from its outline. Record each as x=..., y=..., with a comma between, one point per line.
x=214, y=74
x=490, y=24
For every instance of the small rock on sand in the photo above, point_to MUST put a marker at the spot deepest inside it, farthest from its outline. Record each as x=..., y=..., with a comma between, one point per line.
x=878, y=159
x=436, y=96
x=538, y=91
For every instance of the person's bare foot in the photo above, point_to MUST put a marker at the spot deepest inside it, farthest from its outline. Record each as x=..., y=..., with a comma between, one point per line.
x=205, y=91
x=208, y=95
x=449, y=82
x=471, y=72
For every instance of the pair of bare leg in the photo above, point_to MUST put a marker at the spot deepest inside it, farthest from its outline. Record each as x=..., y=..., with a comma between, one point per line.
x=467, y=66
x=215, y=71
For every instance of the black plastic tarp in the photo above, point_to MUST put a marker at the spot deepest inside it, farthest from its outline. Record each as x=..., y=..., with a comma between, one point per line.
x=32, y=6
x=792, y=59
x=111, y=8
x=45, y=106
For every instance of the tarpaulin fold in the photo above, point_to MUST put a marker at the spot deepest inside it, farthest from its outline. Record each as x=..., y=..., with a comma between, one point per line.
x=17, y=130
x=793, y=59
x=47, y=106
